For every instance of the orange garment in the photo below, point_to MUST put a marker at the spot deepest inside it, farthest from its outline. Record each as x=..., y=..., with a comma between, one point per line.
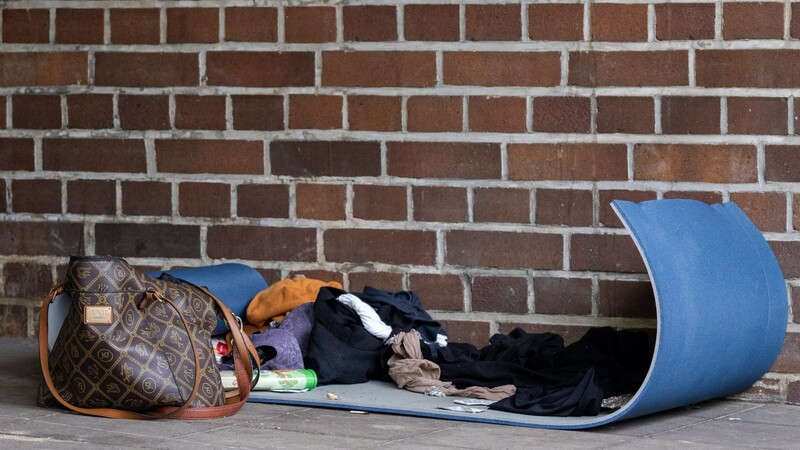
x=275, y=301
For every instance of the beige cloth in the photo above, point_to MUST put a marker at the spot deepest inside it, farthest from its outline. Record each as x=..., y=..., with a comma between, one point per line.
x=410, y=371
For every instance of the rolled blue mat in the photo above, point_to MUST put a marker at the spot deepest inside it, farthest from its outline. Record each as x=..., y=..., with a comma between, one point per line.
x=722, y=312
x=235, y=284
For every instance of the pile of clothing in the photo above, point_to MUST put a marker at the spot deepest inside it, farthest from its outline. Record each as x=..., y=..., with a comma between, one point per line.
x=353, y=337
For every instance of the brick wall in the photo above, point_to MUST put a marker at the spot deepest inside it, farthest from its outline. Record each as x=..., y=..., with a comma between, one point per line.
x=466, y=150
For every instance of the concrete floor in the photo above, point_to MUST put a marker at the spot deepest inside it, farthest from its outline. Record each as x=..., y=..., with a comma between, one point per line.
x=715, y=424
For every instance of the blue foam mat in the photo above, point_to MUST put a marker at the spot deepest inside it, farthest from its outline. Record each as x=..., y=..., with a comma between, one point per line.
x=721, y=318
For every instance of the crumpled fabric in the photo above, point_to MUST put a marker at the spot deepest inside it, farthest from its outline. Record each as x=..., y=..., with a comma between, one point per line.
x=369, y=318
x=411, y=372
x=275, y=301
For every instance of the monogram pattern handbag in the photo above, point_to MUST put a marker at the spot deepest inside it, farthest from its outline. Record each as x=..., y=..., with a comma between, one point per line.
x=137, y=347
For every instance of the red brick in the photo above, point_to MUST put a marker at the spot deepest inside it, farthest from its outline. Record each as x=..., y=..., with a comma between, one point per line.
x=94, y=155
x=310, y=24
x=79, y=26
x=795, y=25
x=379, y=202
x=146, y=69
x=570, y=162
x=2, y=112
x=322, y=275
x=690, y=115
x=566, y=296
x=251, y=24
x=782, y=163
x=200, y=112
x=747, y=68
x=144, y=112
x=564, y=207
x=192, y=25
x=619, y=22
x=27, y=280
x=41, y=238
x=620, y=298
x=793, y=390
x=504, y=249
x=210, y=156
x=607, y=216
x=498, y=114
x=263, y=200
x=684, y=21
x=16, y=154
x=562, y=114
x=703, y=196
x=204, y=200
x=146, y=31
x=632, y=68
x=469, y=332
x=796, y=209
x=796, y=114
x=443, y=160
x=493, y=23
x=92, y=197
x=271, y=275
x=438, y=292
x=369, y=23
x=625, y=115
x=786, y=253
x=431, y=22
x=3, y=204
x=257, y=112
x=502, y=68
x=315, y=111
x=14, y=320
x=147, y=240
x=260, y=69
x=440, y=204
x=789, y=359
x=36, y=196
x=325, y=159
x=90, y=111
x=146, y=198
x=795, y=299
x=435, y=113
x=26, y=26
x=605, y=253
x=500, y=294
x=753, y=115
x=36, y=111
x=362, y=246
x=380, y=280
x=501, y=205
x=752, y=21
x=320, y=201
x=397, y=69
x=374, y=113
x=767, y=210
x=701, y=163
x=44, y=69
x=555, y=22
x=262, y=243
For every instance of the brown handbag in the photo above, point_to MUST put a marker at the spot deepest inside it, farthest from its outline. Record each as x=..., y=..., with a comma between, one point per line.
x=137, y=347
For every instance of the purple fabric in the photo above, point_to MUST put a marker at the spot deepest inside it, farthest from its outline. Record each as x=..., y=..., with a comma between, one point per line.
x=282, y=346
x=299, y=322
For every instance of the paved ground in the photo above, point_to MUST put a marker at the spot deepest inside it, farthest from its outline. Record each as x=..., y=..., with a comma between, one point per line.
x=717, y=424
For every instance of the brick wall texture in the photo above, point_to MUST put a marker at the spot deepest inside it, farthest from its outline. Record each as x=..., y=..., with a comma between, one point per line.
x=466, y=150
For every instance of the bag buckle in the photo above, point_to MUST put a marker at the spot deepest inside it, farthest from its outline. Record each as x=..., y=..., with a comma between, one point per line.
x=149, y=297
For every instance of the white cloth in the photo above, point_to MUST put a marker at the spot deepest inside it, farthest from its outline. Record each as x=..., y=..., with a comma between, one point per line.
x=369, y=317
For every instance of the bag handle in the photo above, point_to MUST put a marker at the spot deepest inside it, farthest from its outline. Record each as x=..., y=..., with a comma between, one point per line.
x=244, y=354
x=112, y=413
